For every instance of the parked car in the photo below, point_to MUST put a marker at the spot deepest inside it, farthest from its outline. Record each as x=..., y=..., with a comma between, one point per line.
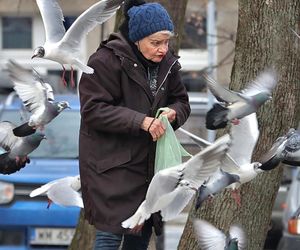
x=26, y=223
x=291, y=222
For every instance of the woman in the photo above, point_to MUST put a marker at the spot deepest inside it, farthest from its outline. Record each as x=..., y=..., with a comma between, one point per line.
x=135, y=75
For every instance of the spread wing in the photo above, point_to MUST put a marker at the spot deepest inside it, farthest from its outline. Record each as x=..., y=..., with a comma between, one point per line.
x=266, y=81
x=206, y=162
x=30, y=87
x=209, y=237
x=244, y=138
x=53, y=20
x=96, y=14
x=7, y=138
x=221, y=93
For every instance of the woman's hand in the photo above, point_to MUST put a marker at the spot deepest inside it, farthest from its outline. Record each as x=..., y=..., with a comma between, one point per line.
x=171, y=115
x=154, y=126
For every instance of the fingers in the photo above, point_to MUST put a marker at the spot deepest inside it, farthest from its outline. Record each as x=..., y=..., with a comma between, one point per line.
x=171, y=114
x=157, y=129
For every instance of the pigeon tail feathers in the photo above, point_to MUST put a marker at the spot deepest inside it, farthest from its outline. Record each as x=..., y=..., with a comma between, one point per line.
x=216, y=117
x=23, y=130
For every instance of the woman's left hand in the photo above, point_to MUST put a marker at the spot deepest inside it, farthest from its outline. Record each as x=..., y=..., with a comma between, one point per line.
x=171, y=115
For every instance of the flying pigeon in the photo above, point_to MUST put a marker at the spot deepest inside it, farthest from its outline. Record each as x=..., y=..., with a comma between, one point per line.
x=237, y=167
x=37, y=96
x=63, y=192
x=64, y=46
x=285, y=149
x=17, y=148
x=171, y=189
x=235, y=105
x=211, y=238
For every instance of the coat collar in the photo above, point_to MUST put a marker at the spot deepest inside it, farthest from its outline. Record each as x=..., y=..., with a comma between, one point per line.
x=134, y=68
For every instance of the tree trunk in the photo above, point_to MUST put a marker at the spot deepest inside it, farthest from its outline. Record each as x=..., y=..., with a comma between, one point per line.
x=85, y=233
x=177, y=13
x=263, y=39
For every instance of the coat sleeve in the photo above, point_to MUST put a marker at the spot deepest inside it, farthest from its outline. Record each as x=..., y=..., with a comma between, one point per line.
x=178, y=99
x=101, y=97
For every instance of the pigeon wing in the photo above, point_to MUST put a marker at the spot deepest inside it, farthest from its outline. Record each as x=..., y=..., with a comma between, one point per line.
x=265, y=82
x=177, y=200
x=244, y=137
x=7, y=138
x=29, y=87
x=96, y=14
x=62, y=194
x=222, y=94
x=237, y=232
x=53, y=20
x=43, y=189
x=209, y=237
x=205, y=163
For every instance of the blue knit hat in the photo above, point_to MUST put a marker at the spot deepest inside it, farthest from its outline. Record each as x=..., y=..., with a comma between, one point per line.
x=147, y=19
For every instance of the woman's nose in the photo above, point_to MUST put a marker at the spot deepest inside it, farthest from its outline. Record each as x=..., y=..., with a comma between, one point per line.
x=163, y=48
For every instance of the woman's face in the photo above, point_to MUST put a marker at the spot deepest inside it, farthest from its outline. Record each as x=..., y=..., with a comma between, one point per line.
x=155, y=46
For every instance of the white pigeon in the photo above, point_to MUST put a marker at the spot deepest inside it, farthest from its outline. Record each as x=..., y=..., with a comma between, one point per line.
x=37, y=97
x=244, y=139
x=171, y=189
x=235, y=105
x=62, y=191
x=211, y=238
x=64, y=46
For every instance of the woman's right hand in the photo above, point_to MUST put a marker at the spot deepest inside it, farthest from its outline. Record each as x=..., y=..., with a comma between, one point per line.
x=154, y=126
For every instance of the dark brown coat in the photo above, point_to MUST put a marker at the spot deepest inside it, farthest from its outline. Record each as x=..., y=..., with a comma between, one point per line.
x=116, y=156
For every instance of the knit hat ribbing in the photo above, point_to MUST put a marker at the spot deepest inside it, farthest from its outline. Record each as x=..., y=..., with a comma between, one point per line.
x=147, y=19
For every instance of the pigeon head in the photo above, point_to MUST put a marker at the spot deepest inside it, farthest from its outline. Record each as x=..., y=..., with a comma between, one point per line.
x=76, y=185
x=260, y=98
x=62, y=106
x=232, y=244
x=257, y=166
x=38, y=52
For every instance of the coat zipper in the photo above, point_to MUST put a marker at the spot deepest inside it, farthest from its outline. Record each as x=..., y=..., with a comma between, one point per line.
x=165, y=77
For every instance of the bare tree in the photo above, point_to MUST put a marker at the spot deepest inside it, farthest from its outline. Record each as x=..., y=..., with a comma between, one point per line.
x=264, y=39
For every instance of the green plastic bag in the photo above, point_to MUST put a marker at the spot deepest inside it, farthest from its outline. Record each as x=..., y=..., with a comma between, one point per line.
x=169, y=151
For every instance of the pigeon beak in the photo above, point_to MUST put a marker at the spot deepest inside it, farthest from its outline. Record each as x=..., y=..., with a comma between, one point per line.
x=33, y=56
x=44, y=137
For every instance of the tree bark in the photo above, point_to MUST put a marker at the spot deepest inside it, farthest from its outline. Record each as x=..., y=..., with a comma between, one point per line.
x=85, y=233
x=84, y=236
x=263, y=39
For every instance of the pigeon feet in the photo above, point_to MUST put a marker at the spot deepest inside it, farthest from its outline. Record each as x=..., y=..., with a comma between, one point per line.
x=49, y=203
x=63, y=77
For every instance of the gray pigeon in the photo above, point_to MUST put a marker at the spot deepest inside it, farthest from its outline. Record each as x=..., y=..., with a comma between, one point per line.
x=285, y=149
x=17, y=148
x=236, y=105
x=211, y=238
x=64, y=46
x=37, y=96
x=171, y=189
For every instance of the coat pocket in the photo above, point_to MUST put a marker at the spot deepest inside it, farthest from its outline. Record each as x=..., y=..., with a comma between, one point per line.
x=113, y=160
